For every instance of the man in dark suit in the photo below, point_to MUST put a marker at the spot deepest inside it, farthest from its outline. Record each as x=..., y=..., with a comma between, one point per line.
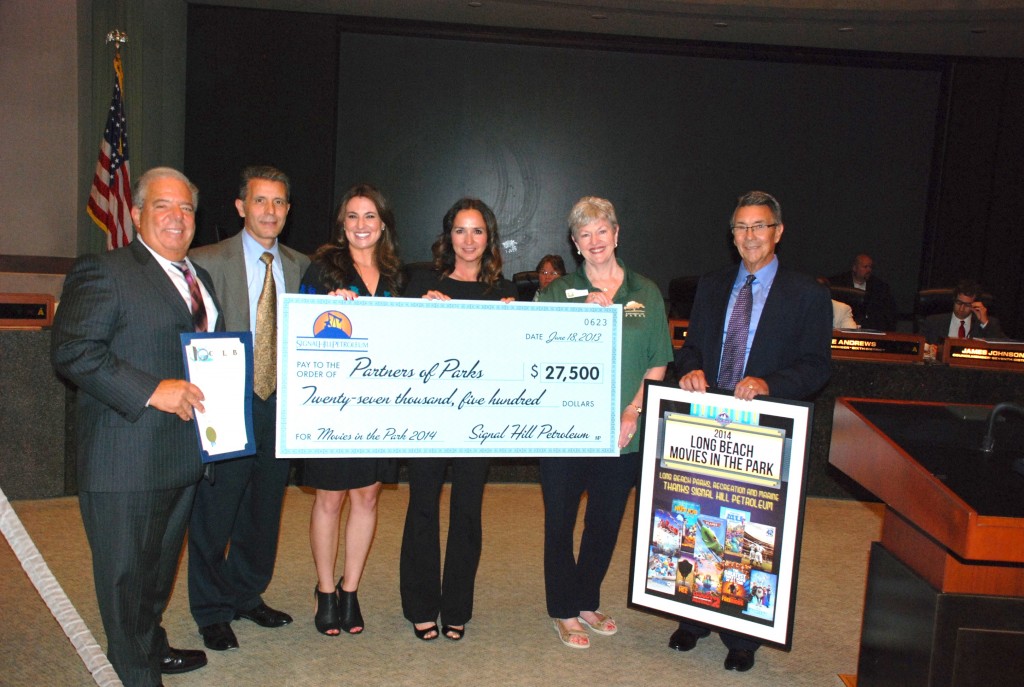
x=878, y=311
x=116, y=336
x=235, y=522
x=969, y=319
x=779, y=347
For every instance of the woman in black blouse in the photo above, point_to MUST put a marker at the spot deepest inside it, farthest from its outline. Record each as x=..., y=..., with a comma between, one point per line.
x=362, y=261
x=467, y=265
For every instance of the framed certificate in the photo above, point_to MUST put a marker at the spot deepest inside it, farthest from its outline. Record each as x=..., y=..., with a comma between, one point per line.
x=720, y=511
x=221, y=365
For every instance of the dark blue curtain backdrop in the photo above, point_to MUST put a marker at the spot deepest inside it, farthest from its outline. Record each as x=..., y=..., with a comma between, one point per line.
x=670, y=140
x=856, y=148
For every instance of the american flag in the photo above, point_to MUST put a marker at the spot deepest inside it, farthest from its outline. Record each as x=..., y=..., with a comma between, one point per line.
x=110, y=200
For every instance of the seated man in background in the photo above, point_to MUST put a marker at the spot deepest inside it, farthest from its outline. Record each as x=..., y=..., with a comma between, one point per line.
x=879, y=308
x=969, y=319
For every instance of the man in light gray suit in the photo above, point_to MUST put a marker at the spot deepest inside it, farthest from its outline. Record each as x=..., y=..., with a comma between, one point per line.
x=235, y=522
x=116, y=337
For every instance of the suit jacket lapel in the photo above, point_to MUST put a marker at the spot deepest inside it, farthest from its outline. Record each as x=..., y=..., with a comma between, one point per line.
x=161, y=281
x=292, y=275
x=772, y=314
x=235, y=282
x=722, y=292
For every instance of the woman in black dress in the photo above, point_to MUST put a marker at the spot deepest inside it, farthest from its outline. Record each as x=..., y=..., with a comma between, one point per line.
x=467, y=265
x=362, y=261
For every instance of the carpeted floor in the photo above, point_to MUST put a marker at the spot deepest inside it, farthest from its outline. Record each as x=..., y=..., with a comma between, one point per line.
x=509, y=642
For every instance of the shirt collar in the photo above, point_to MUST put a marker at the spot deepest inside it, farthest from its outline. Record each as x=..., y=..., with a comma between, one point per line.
x=253, y=249
x=763, y=277
x=164, y=262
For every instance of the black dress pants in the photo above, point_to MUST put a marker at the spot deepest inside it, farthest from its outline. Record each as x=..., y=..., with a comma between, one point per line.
x=241, y=507
x=425, y=593
x=136, y=539
x=573, y=584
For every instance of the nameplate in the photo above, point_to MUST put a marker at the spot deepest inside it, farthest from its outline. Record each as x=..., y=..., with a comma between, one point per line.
x=877, y=347
x=26, y=310
x=985, y=354
x=416, y=378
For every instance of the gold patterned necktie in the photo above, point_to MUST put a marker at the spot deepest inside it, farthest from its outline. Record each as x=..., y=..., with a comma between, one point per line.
x=265, y=353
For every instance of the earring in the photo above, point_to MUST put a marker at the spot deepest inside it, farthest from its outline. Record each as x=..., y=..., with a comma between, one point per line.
x=579, y=252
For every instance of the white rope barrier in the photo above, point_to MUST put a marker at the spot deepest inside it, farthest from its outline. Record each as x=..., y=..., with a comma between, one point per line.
x=53, y=595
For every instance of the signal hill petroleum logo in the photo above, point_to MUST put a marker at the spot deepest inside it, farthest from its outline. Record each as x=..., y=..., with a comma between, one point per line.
x=332, y=331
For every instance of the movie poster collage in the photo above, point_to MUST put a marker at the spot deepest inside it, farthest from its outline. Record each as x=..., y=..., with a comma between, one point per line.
x=714, y=556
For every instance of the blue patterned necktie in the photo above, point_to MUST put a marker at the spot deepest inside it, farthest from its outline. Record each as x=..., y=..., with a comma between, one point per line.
x=735, y=348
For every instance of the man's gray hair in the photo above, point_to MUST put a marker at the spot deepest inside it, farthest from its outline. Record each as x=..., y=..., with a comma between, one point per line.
x=142, y=184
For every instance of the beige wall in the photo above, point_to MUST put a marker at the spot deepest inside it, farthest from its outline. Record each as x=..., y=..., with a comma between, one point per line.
x=39, y=121
x=56, y=76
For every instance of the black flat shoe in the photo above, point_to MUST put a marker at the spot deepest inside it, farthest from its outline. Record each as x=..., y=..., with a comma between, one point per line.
x=349, y=608
x=327, y=618
x=422, y=634
x=453, y=633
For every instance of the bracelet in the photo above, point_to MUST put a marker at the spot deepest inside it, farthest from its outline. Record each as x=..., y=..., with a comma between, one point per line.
x=635, y=407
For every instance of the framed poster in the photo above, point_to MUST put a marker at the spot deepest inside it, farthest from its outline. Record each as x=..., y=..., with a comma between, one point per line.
x=720, y=511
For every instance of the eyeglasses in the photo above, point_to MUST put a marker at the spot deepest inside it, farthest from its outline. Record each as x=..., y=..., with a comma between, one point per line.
x=758, y=228
x=549, y=273
x=962, y=304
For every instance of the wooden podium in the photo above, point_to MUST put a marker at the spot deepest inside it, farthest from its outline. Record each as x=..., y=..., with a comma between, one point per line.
x=945, y=597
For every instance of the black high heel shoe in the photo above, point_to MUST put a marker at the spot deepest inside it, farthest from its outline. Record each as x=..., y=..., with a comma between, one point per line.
x=348, y=604
x=327, y=618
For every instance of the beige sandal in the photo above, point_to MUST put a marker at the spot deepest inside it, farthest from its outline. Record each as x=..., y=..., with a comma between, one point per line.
x=604, y=625
x=566, y=635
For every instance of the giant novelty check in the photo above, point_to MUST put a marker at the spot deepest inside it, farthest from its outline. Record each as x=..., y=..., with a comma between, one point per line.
x=418, y=378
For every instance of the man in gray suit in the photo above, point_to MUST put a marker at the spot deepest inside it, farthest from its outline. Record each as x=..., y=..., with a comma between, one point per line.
x=116, y=337
x=235, y=522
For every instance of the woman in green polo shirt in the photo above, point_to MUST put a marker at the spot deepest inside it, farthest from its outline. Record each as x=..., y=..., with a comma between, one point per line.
x=573, y=585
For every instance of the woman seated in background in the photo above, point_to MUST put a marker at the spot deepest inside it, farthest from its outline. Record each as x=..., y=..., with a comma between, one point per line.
x=549, y=269
x=842, y=314
x=467, y=266
x=362, y=261
x=573, y=585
